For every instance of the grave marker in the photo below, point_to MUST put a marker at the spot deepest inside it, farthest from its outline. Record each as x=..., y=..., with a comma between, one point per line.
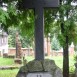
x=38, y=6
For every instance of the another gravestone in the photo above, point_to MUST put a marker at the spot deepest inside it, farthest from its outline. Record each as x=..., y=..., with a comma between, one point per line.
x=18, y=50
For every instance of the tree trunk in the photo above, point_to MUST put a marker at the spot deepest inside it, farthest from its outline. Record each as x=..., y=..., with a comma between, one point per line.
x=65, y=54
x=48, y=46
x=66, y=59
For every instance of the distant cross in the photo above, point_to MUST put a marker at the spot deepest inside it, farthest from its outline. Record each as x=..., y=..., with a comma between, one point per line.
x=38, y=6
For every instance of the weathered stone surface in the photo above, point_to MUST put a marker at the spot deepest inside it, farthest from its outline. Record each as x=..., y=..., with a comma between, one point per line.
x=21, y=74
x=24, y=69
x=49, y=65
x=18, y=47
x=40, y=66
x=58, y=73
x=35, y=66
x=18, y=60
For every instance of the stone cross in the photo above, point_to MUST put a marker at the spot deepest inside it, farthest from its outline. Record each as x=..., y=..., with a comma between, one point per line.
x=38, y=6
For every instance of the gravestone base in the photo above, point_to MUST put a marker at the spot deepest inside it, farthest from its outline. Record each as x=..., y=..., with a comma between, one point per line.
x=41, y=68
x=18, y=61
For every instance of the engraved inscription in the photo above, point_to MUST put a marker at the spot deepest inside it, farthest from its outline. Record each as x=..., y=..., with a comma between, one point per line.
x=39, y=74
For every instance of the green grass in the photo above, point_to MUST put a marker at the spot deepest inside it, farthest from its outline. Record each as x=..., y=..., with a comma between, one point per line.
x=12, y=73
x=9, y=73
x=6, y=61
x=29, y=58
x=58, y=60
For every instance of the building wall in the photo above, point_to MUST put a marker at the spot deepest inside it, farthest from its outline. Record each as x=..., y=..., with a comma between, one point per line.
x=30, y=52
x=25, y=51
x=3, y=44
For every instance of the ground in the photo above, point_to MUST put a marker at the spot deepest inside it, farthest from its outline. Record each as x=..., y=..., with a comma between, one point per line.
x=12, y=73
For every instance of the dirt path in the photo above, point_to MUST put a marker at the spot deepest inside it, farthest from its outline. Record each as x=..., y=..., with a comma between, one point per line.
x=8, y=67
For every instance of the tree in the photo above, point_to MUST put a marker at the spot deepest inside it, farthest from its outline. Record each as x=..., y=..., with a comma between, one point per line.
x=68, y=31
x=55, y=43
x=25, y=41
x=66, y=28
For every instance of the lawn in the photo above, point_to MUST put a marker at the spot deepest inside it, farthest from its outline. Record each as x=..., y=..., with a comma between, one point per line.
x=8, y=73
x=6, y=61
x=12, y=73
x=58, y=60
x=10, y=62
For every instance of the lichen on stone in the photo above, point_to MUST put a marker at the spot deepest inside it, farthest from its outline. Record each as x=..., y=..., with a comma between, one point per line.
x=46, y=65
x=35, y=65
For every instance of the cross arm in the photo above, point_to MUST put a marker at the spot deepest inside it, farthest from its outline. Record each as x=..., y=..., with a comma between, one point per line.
x=51, y=3
x=26, y=4
x=30, y=4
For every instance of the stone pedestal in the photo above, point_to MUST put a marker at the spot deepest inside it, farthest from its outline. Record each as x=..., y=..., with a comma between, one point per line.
x=41, y=66
x=18, y=61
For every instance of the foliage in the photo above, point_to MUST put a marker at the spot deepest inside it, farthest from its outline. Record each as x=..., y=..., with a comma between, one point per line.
x=72, y=70
x=25, y=19
x=49, y=15
x=25, y=41
x=67, y=31
x=67, y=28
x=75, y=57
x=55, y=43
x=11, y=37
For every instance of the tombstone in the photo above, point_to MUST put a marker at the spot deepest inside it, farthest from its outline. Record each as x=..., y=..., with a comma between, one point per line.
x=18, y=50
x=39, y=67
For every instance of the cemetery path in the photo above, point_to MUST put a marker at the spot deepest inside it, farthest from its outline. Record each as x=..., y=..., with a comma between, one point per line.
x=9, y=67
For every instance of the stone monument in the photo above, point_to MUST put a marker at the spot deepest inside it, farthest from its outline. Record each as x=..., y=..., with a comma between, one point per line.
x=18, y=50
x=39, y=67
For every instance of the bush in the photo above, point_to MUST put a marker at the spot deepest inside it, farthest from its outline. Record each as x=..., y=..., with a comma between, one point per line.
x=75, y=57
x=55, y=44
x=72, y=69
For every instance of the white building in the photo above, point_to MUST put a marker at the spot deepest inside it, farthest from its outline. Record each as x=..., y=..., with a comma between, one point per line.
x=3, y=42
